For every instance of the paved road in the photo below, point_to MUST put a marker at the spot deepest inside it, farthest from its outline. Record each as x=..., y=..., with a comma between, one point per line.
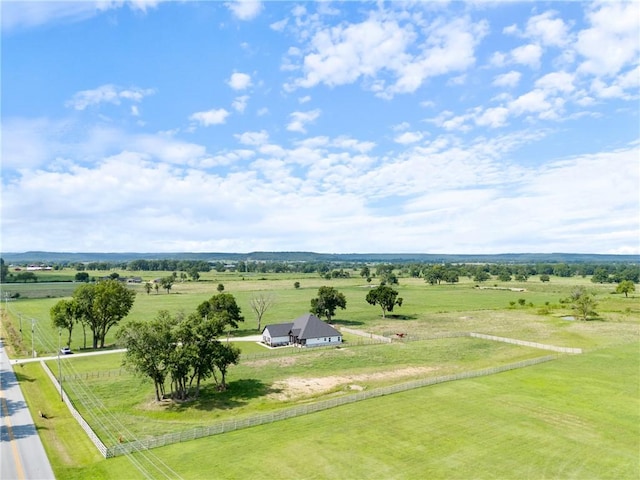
x=22, y=455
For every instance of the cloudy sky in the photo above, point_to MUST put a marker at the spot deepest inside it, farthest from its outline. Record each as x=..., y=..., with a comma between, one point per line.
x=426, y=127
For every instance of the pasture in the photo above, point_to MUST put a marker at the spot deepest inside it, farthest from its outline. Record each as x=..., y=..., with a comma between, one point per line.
x=574, y=417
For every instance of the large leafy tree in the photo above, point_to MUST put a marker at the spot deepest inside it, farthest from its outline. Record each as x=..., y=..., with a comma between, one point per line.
x=225, y=356
x=64, y=315
x=185, y=349
x=327, y=301
x=223, y=309
x=626, y=287
x=103, y=305
x=149, y=347
x=384, y=296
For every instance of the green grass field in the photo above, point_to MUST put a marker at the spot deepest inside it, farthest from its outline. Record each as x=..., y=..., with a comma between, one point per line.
x=575, y=417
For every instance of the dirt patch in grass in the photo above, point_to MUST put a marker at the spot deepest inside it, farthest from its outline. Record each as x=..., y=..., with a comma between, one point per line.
x=295, y=388
x=280, y=362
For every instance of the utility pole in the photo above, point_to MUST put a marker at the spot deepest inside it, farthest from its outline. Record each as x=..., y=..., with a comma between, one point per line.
x=60, y=366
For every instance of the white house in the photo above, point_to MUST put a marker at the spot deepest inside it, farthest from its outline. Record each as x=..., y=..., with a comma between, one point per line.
x=305, y=331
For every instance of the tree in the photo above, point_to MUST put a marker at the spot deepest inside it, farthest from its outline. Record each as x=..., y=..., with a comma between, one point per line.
x=544, y=278
x=296, y=285
x=103, y=305
x=434, y=274
x=223, y=309
x=600, y=275
x=481, y=275
x=325, y=304
x=194, y=274
x=365, y=272
x=64, y=314
x=386, y=275
x=583, y=303
x=148, y=348
x=225, y=356
x=260, y=304
x=220, y=288
x=626, y=287
x=148, y=287
x=27, y=277
x=167, y=283
x=384, y=296
x=81, y=277
x=4, y=271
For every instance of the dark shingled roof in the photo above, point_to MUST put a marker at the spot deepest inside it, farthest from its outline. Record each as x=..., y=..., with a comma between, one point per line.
x=310, y=326
x=279, y=329
x=304, y=327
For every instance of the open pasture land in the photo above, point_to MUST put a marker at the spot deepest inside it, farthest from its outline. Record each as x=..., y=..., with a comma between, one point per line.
x=426, y=308
x=271, y=383
x=575, y=417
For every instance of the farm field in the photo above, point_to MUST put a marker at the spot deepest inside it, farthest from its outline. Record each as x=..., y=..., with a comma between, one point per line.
x=575, y=417
x=543, y=421
x=271, y=383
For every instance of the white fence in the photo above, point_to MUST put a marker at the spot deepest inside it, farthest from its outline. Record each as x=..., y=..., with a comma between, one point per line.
x=231, y=425
x=523, y=343
x=81, y=421
x=362, y=333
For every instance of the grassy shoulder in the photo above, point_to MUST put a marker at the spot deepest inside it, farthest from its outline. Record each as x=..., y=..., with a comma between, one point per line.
x=71, y=453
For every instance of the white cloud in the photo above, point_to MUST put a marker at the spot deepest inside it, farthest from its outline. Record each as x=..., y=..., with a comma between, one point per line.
x=22, y=15
x=611, y=43
x=406, y=138
x=557, y=82
x=534, y=101
x=239, y=81
x=300, y=119
x=107, y=94
x=279, y=25
x=509, y=79
x=493, y=117
x=210, y=117
x=347, y=53
x=245, y=9
x=548, y=29
x=240, y=103
x=527, y=55
x=253, y=138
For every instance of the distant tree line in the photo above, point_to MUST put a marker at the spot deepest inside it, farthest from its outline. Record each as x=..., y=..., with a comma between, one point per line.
x=389, y=272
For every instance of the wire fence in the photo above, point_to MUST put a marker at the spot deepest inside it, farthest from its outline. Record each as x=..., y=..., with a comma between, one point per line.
x=238, y=424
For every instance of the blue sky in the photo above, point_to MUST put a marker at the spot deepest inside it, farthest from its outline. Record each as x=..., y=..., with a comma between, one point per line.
x=426, y=127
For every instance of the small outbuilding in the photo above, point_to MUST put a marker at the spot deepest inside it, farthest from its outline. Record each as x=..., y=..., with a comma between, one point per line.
x=305, y=331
